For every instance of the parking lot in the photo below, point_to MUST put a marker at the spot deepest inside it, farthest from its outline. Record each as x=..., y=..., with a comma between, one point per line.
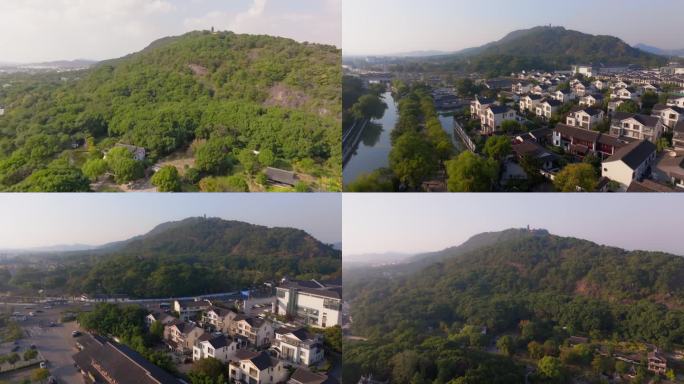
x=55, y=343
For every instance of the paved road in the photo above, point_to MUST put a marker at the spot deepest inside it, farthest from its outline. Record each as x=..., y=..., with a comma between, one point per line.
x=54, y=343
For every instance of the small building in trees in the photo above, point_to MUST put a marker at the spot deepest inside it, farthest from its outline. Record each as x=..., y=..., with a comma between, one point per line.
x=281, y=177
x=657, y=363
x=139, y=153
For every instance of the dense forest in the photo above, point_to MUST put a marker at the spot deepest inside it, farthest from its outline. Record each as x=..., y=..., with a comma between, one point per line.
x=541, y=48
x=528, y=288
x=191, y=257
x=215, y=97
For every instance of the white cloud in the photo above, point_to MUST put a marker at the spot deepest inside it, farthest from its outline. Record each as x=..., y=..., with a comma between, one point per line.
x=37, y=30
x=43, y=30
x=322, y=24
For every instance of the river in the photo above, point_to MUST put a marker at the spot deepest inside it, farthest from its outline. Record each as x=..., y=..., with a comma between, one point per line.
x=375, y=145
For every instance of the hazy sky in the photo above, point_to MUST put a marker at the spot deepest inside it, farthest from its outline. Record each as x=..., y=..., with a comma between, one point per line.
x=36, y=220
x=46, y=30
x=411, y=223
x=396, y=26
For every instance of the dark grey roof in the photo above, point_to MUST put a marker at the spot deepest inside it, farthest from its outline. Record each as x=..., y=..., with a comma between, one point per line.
x=300, y=333
x=252, y=321
x=262, y=361
x=119, y=363
x=484, y=100
x=553, y=103
x=649, y=121
x=579, y=133
x=499, y=109
x=660, y=107
x=219, y=342
x=679, y=128
x=535, y=97
x=281, y=176
x=634, y=154
x=304, y=376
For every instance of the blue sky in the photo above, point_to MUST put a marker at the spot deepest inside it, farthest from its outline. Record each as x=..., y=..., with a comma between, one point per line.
x=37, y=220
x=395, y=26
x=412, y=223
x=45, y=30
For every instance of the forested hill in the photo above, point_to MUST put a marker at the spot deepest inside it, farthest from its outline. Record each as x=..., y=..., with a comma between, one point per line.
x=517, y=279
x=547, y=48
x=233, y=91
x=213, y=235
x=571, y=281
x=190, y=257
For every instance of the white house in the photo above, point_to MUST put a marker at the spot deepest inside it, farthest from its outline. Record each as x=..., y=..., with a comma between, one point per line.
x=522, y=88
x=478, y=106
x=547, y=108
x=188, y=309
x=315, y=303
x=182, y=337
x=585, y=70
x=219, y=318
x=494, y=116
x=163, y=318
x=628, y=93
x=669, y=115
x=257, y=331
x=591, y=100
x=530, y=102
x=256, y=368
x=139, y=153
x=676, y=101
x=298, y=346
x=586, y=118
x=564, y=96
x=222, y=348
x=599, y=84
x=630, y=163
x=636, y=126
x=2, y=110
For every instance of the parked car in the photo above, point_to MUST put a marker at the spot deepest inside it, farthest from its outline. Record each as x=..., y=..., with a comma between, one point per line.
x=43, y=364
x=75, y=334
x=16, y=348
x=52, y=380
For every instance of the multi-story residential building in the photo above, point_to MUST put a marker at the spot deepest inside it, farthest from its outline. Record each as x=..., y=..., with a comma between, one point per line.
x=586, y=117
x=163, y=318
x=591, y=100
x=657, y=363
x=478, y=106
x=669, y=115
x=257, y=331
x=222, y=348
x=494, y=116
x=629, y=93
x=219, y=318
x=565, y=96
x=189, y=309
x=582, y=142
x=676, y=101
x=636, y=126
x=298, y=346
x=530, y=102
x=315, y=303
x=522, y=88
x=256, y=368
x=182, y=337
x=630, y=163
x=678, y=136
x=547, y=108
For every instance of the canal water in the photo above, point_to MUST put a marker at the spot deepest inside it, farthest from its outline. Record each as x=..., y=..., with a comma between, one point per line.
x=375, y=144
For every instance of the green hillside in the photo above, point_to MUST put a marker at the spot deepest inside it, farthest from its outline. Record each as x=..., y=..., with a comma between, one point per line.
x=562, y=286
x=226, y=92
x=191, y=257
x=546, y=48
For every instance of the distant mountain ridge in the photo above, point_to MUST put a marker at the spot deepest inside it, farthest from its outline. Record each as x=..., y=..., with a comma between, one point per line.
x=544, y=48
x=659, y=51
